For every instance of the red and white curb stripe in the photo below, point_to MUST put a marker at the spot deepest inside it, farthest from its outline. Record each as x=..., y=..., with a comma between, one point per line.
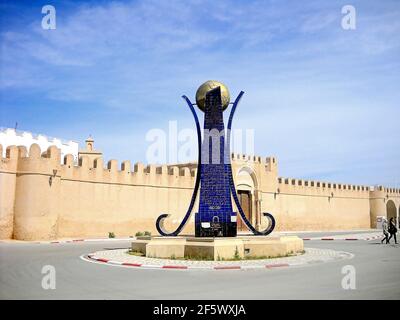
x=346, y=239
x=68, y=240
x=129, y=239
x=93, y=258
x=375, y=237
x=83, y=240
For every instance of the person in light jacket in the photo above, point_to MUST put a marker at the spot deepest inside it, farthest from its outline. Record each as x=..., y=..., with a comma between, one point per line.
x=385, y=230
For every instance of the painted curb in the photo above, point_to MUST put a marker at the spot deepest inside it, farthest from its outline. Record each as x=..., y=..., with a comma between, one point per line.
x=343, y=239
x=129, y=239
x=83, y=240
x=91, y=257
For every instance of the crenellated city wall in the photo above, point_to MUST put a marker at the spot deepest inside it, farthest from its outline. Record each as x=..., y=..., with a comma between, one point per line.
x=45, y=197
x=299, y=204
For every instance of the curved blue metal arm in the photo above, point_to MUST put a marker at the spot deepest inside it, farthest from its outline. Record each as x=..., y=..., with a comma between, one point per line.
x=160, y=219
x=269, y=216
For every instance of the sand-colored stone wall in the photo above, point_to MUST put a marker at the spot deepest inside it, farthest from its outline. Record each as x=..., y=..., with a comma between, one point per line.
x=319, y=205
x=310, y=205
x=40, y=198
x=8, y=173
x=97, y=200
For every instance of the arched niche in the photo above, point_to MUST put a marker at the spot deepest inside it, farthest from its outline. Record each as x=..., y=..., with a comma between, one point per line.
x=391, y=210
x=246, y=186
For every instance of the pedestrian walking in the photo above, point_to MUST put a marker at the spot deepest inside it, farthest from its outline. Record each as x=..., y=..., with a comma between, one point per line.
x=392, y=230
x=385, y=230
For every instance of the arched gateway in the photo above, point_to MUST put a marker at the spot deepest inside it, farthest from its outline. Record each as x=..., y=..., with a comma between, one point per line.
x=391, y=211
x=246, y=185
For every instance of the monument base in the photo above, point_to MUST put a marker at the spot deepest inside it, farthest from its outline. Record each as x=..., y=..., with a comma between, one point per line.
x=242, y=247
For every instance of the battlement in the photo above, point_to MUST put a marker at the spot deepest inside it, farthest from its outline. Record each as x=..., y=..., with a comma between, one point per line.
x=270, y=163
x=15, y=153
x=330, y=188
x=238, y=157
x=391, y=191
x=252, y=158
x=96, y=170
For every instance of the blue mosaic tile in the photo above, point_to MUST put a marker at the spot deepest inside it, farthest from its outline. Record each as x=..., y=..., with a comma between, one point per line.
x=215, y=209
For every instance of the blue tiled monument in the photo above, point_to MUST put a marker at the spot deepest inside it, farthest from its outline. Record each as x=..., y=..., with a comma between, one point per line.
x=215, y=217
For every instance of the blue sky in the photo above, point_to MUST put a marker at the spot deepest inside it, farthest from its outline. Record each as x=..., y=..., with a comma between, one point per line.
x=323, y=100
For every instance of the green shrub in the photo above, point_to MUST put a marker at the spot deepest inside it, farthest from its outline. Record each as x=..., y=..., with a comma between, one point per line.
x=136, y=253
x=111, y=235
x=147, y=233
x=139, y=234
x=236, y=256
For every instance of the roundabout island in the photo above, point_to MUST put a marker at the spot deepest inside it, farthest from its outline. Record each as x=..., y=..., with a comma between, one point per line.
x=308, y=257
x=218, y=249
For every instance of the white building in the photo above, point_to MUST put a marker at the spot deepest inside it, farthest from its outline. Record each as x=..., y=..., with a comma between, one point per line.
x=12, y=137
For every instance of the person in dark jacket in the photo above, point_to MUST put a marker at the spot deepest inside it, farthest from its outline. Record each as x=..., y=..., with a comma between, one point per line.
x=392, y=230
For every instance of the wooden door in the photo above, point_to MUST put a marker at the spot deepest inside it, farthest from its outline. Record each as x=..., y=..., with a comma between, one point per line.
x=245, y=203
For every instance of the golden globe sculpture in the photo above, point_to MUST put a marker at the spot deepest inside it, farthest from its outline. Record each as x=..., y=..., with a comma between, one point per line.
x=207, y=86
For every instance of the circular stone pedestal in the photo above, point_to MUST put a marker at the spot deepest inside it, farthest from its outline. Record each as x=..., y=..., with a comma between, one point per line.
x=242, y=247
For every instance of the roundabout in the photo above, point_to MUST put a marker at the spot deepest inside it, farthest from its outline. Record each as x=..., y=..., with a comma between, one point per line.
x=317, y=274
x=121, y=258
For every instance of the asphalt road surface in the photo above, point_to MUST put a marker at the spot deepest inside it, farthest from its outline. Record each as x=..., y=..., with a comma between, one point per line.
x=377, y=269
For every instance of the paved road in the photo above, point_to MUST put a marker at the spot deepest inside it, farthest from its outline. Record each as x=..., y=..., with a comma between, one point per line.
x=377, y=276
